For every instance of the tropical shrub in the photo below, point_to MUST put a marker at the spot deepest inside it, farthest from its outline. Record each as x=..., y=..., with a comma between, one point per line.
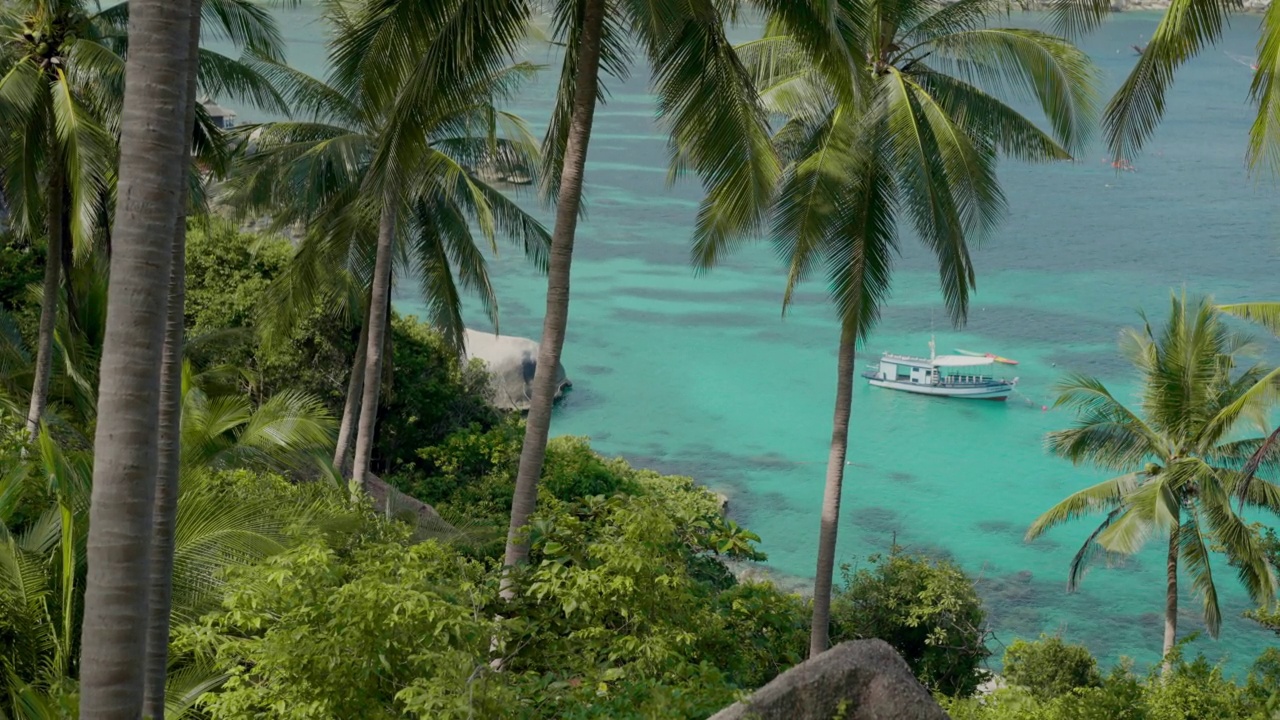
x=228, y=273
x=609, y=621
x=1049, y=667
x=431, y=395
x=1193, y=690
x=927, y=609
x=471, y=473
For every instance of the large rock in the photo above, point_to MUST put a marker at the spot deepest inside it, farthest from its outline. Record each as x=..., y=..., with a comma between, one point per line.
x=512, y=361
x=859, y=680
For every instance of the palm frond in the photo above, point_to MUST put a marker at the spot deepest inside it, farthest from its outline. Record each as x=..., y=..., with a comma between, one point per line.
x=1090, y=550
x=1264, y=135
x=1266, y=314
x=716, y=125
x=87, y=151
x=1240, y=543
x=1107, y=433
x=1195, y=554
x=224, y=77
x=925, y=192
x=1186, y=27
x=1028, y=63
x=1105, y=495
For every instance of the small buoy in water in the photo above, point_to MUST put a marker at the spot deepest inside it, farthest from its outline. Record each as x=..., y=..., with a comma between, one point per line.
x=1044, y=407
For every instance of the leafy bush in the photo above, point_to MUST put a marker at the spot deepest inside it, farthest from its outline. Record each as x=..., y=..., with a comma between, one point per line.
x=1191, y=691
x=472, y=472
x=428, y=393
x=926, y=609
x=431, y=395
x=228, y=272
x=1050, y=667
x=608, y=621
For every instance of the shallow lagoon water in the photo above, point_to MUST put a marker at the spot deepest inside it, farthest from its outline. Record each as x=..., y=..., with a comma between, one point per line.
x=702, y=376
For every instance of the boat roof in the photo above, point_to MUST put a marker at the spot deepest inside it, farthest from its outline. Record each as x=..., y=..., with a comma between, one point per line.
x=939, y=361
x=961, y=361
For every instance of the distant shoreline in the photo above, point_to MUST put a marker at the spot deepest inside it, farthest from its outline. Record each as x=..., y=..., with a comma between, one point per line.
x=1248, y=6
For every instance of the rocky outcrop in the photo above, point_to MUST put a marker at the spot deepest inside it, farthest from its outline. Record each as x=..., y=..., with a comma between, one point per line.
x=511, y=361
x=860, y=680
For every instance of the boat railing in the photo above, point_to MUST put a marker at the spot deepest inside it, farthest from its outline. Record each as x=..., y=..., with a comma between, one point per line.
x=958, y=379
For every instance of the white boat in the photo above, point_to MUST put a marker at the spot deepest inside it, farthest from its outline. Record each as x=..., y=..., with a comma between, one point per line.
x=960, y=376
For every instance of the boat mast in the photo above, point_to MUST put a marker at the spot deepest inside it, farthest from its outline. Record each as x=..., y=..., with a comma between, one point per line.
x=932, y=348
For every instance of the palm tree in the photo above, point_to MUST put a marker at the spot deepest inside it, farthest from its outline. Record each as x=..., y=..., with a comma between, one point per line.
x=887, y=119
x=60, y=93
x=42, y=564
x=154, y=158
x=1179, y=457
x=58, y=153
x=221, y=428
x=716, y=128
x=1186, y=29
x=389, y=159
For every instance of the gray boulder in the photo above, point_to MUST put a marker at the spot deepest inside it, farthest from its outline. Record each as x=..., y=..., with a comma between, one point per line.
x=511, y=361
x=859, y=680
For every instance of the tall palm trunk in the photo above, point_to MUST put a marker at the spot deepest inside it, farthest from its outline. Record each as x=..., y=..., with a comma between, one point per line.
x=48, y=298
x=67, y=254
x=355, y=388
x=153, y=158
x=166, y=498
x=554, y=323
x=379, y=300
x=820, y=635
x=1171, y=598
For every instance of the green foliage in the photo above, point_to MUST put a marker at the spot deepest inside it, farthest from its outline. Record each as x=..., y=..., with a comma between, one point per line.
x=1193, y=690
x=228, y=271
x=926, y=609
x=1049, y=667
x=472, y=471
x=323, y=633
x=1179, y=455
x=1268, y=617
x=432, y=394
x=608, y=621
x=20, y=266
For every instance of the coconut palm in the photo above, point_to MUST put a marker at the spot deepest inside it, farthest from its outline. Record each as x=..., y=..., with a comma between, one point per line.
x=891, y=113
x=1187, y=28
x=222, y=429
x=60, y=92
x=42, y=566
x=388, y=160
x=716, y=127
x=154, y=157
x=1180, y=456
x=58, y=154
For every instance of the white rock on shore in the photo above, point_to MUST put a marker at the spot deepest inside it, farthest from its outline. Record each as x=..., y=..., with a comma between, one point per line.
x=512, y=361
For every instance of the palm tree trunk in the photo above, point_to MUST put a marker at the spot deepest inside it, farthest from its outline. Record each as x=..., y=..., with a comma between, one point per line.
x=819, y=637
x=355, y=388
x=48, y=299
x=67, y=253
x=1171, y=598
x=556, y=320
x=166, y=498
x=153, y=160
x=379, y=300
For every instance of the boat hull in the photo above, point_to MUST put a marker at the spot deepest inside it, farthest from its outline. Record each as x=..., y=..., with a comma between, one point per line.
x=993, y=391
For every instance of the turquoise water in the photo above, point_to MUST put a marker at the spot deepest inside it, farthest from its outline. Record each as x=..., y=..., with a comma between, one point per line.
x=701, y=376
